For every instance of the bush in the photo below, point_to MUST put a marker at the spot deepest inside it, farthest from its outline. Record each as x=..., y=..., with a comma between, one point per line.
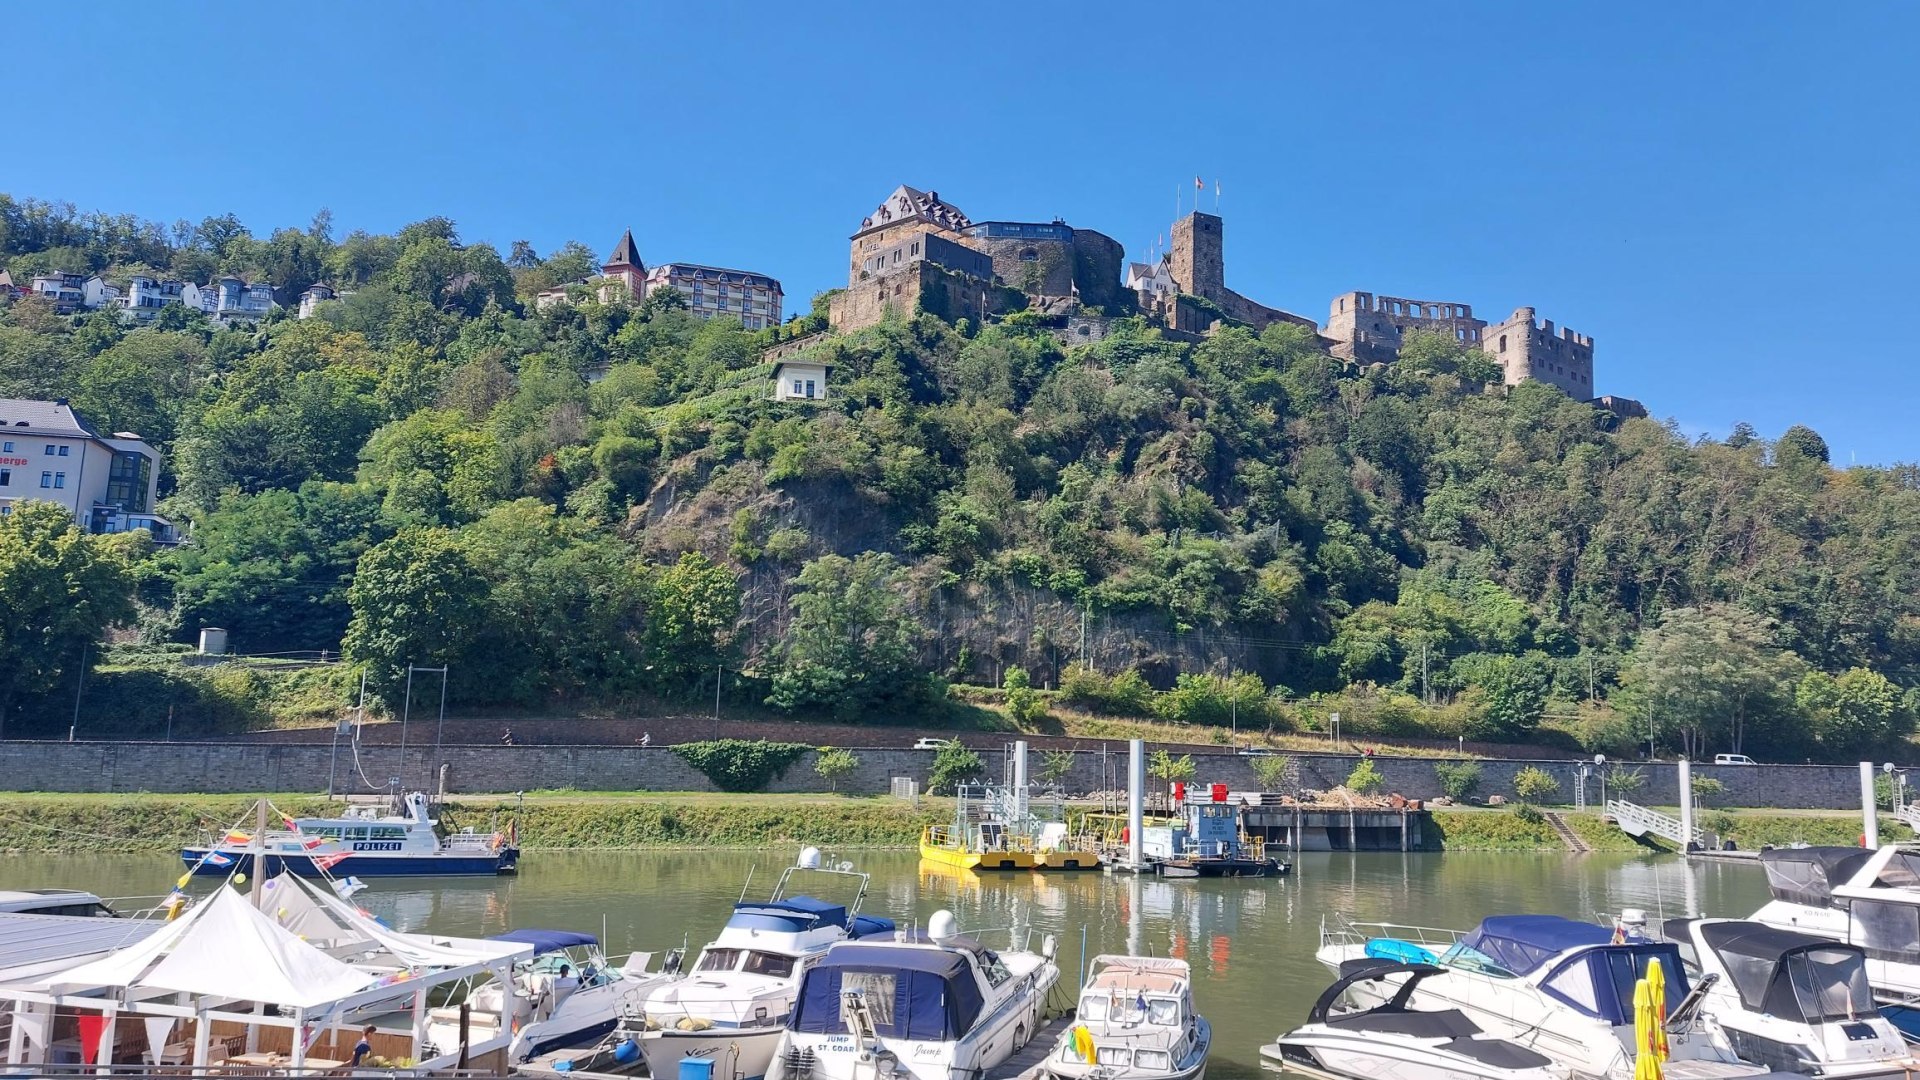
x=953, y=765
x=1459, y=779
x=1025, y=706
x=1365, y=778
x=1125, y=694
x=741, y=764
x=833, y=763
x=1529, y=813
x=1533, y=784
x=1275, y=773
x=1706, y=787
x=1056, y=765
x=1626, y=781
x=1219, y=701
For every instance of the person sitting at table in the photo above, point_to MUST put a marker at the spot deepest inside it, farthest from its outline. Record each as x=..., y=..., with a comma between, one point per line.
x=364, y=1048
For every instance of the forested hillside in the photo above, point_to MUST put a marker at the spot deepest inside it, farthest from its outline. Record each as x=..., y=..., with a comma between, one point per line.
x=424, y=473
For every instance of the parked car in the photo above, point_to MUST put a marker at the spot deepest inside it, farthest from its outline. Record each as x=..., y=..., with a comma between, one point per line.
x=931, y=744
x=1733, y=759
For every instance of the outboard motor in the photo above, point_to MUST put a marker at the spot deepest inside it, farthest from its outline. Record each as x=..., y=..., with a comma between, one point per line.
x=1630, y=926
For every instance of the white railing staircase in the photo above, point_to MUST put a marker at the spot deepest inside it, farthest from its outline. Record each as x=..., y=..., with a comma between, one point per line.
x=1636, y=820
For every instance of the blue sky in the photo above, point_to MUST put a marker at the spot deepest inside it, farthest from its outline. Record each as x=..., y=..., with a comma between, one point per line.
x=1721, y=193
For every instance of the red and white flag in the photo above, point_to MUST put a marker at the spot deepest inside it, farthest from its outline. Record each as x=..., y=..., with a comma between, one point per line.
x=328, y=862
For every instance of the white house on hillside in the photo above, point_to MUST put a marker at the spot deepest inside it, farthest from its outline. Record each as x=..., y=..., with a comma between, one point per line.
x=48, y=452
x=800, y=380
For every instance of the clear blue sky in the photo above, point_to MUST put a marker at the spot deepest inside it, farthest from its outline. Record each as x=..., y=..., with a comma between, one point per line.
x=1722, y=193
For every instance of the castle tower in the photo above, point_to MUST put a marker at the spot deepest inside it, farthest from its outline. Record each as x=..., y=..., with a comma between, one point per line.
x=625, y=266
x=1198, y=262
x=1527, y=349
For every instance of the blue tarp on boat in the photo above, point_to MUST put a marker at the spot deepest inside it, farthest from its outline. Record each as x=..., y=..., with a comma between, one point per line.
x=919, y=994
x=1520, y=943
x=546, y=941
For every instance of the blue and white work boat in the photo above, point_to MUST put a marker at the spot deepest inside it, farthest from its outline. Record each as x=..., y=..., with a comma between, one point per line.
x=362, y=843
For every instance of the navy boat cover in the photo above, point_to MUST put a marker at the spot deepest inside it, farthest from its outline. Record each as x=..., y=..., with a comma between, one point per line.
x=546, y=941
x=1520, y=943
x=1598, y=980
x=926, y=995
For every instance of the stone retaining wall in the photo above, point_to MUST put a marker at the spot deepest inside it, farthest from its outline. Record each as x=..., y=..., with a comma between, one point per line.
x=214, y=767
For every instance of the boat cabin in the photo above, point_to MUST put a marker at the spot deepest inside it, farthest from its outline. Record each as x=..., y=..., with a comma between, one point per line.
x=1138, y=1015
x=916, y=992
x=1784, y=974
x=1578, y=963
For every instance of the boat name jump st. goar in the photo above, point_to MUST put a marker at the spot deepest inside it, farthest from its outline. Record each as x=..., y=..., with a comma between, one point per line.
x=362, y=843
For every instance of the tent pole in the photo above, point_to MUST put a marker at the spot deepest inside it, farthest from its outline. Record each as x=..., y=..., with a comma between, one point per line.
x=419, y=1022
x=202, y=1041
x=299, y=1039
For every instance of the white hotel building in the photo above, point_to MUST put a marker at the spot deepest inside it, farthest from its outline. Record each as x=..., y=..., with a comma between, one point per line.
x=711, y=291
x=48, y=452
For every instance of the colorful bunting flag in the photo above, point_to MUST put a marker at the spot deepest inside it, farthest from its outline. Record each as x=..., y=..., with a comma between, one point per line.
x=217, y=859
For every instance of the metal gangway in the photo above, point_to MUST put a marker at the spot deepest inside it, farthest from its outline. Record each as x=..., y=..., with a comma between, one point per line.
x=1637, y=821
x=1909, y=815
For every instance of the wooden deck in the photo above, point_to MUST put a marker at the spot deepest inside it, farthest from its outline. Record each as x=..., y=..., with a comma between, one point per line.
x=1025, y=1065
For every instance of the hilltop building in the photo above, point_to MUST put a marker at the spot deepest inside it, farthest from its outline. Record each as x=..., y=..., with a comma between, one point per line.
x=712, y=291
x=800, y=380
x=1196, y=265
x=1527, y=349
x=1370, y=329
x=316, y=294
x=49, y=452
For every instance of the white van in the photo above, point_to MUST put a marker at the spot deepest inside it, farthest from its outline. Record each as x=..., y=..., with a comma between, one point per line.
x=53, y=902
x=932, y=744
x=1733, y=759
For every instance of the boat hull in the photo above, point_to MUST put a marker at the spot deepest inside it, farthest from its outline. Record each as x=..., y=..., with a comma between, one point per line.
x=977, y=860
x=1365, y=1058
x=1190, y=868
x=742, y=1052
x=483, y=864
x=1067, y=860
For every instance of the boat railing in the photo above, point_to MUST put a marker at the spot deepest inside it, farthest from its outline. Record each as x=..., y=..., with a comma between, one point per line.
x=1339, y=929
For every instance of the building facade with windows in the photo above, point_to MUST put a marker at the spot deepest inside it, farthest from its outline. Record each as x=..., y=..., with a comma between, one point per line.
x=712, y=291
x=49, y=452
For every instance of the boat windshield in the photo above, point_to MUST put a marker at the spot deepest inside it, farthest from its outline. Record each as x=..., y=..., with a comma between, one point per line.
x=751, y=961
x=718, y=960
x=1830, y=985
x=1467, y=958
x=1130, y=1008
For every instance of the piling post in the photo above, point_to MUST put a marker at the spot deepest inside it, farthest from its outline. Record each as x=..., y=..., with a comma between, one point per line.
x=1686, y=805
x=1869, y=820
x=1136, y=800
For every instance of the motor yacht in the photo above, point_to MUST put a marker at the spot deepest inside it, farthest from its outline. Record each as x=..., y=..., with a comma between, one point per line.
x=1790, y=1001
x=566, y=994
x=1869, y=898
x=1135, y=1021
x=1555, y=986
x=1378, y=1034
x=732, y=1007
x=927, y=1006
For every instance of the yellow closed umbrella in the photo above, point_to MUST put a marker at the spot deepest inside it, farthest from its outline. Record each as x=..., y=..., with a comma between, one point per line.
x=1646, y=1038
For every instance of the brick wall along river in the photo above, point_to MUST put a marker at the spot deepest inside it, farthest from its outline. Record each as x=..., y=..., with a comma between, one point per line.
x=216, y=768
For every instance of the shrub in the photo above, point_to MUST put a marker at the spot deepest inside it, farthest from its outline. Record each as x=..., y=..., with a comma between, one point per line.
x=1533, y=784
x=1365, y=777
x=1626, y=781
x=833, y=763
x=740, y=764
x=1459, y=779
x=1217, y=700
x=1275, y=772
x=1706, y=787
x=1024, y=704
x=953, y=765
x=1173, y=770
x=1529, y=813
x=1125, y=694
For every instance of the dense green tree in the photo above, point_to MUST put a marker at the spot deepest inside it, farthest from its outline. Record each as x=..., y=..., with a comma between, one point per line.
x=693, y=612
x=1705, y=676
x=418, y=599
x=61, y=589
x=851, y=645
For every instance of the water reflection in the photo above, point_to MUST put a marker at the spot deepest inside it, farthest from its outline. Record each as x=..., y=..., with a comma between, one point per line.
x=1250, y=942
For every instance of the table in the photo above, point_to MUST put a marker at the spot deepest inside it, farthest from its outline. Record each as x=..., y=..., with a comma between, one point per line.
x=282, y=1061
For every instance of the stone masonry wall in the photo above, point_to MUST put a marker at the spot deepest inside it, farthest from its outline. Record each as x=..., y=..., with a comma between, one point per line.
x=304, y=767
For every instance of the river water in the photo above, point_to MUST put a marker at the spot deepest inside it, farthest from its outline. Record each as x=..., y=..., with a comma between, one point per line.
x=1250, y=942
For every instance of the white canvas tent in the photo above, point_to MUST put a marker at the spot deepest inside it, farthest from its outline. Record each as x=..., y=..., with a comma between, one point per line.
x=226, y=960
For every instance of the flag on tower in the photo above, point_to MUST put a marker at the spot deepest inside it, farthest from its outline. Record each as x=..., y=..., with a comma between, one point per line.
x=1198, y=184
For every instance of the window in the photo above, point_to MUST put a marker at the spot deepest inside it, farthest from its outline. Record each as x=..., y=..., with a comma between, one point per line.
x=772, y=965
x=876, y=990
x=59, y=479
x=49, y=449
x=718, y=960
x=6, y=477
x=809, y=387
x=1503, y=343
x=6, y=448
x=46, y=479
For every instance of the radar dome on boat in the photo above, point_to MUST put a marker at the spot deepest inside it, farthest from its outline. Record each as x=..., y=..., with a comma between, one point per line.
x=943, y=927
x=809, y=858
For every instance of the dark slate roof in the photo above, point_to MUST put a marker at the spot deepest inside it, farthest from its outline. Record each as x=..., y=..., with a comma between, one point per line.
x=625, y=253
x=911, y=204
x=42, y=418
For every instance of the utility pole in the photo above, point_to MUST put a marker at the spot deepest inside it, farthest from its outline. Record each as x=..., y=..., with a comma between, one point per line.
x=718, y=671
x=79, y=685
x=1426, y=697
x=1590, y=697
x=406, y=710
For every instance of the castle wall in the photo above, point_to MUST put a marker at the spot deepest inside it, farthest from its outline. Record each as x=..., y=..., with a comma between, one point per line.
x=869, y=244
x=1098, y=263
x=1036, y=265
x=1371, y=329
x=1198, y=266
x=919, y=286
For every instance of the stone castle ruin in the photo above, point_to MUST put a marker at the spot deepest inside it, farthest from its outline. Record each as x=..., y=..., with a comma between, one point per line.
x=918, y=252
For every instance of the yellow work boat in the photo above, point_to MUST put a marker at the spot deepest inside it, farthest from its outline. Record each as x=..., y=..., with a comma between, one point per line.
x=970, y=850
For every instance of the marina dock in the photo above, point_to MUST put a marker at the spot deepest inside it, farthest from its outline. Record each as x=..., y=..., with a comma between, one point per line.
x=1026, y=1064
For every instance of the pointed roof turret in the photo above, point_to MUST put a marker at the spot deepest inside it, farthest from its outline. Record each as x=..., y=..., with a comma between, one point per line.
x=624, y=254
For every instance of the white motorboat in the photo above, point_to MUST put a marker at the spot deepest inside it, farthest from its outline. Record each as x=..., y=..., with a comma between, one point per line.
x=1790, y=1001
x=1865, y=898
x=930, y=1006
x=1135, y=1021
x=566, y=994
x=732, y=1007
x=1378, y=1034
x=362, y=843
x=1555, y=986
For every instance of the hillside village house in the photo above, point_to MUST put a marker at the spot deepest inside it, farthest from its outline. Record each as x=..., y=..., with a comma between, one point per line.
x=228, y=299
x=711, y=291
x=49, y=452
x=800, y=380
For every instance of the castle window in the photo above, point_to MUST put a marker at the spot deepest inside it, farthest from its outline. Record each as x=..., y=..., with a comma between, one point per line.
x=1029, y=255
x=1343, y=305
x=916, y=249
x=1503, y=343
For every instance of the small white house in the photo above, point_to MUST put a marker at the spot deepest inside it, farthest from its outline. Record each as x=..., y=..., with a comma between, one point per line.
x=800, y=380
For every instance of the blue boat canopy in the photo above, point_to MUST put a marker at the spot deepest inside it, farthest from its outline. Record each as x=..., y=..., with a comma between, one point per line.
x=1521, y=943
x=917, y=994
x=546, y=941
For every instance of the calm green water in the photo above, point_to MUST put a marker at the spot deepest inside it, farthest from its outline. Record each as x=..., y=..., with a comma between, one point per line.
x=1250, y=942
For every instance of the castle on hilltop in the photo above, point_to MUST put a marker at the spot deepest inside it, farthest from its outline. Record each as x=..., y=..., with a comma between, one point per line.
x=918, y=252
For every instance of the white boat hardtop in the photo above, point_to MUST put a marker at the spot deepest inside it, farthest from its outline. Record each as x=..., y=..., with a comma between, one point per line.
x=1138, y=1013
x=1870, y=898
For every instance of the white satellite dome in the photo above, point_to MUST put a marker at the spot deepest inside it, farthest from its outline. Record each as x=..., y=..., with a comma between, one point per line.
x=943, y=927
x=809, y=858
